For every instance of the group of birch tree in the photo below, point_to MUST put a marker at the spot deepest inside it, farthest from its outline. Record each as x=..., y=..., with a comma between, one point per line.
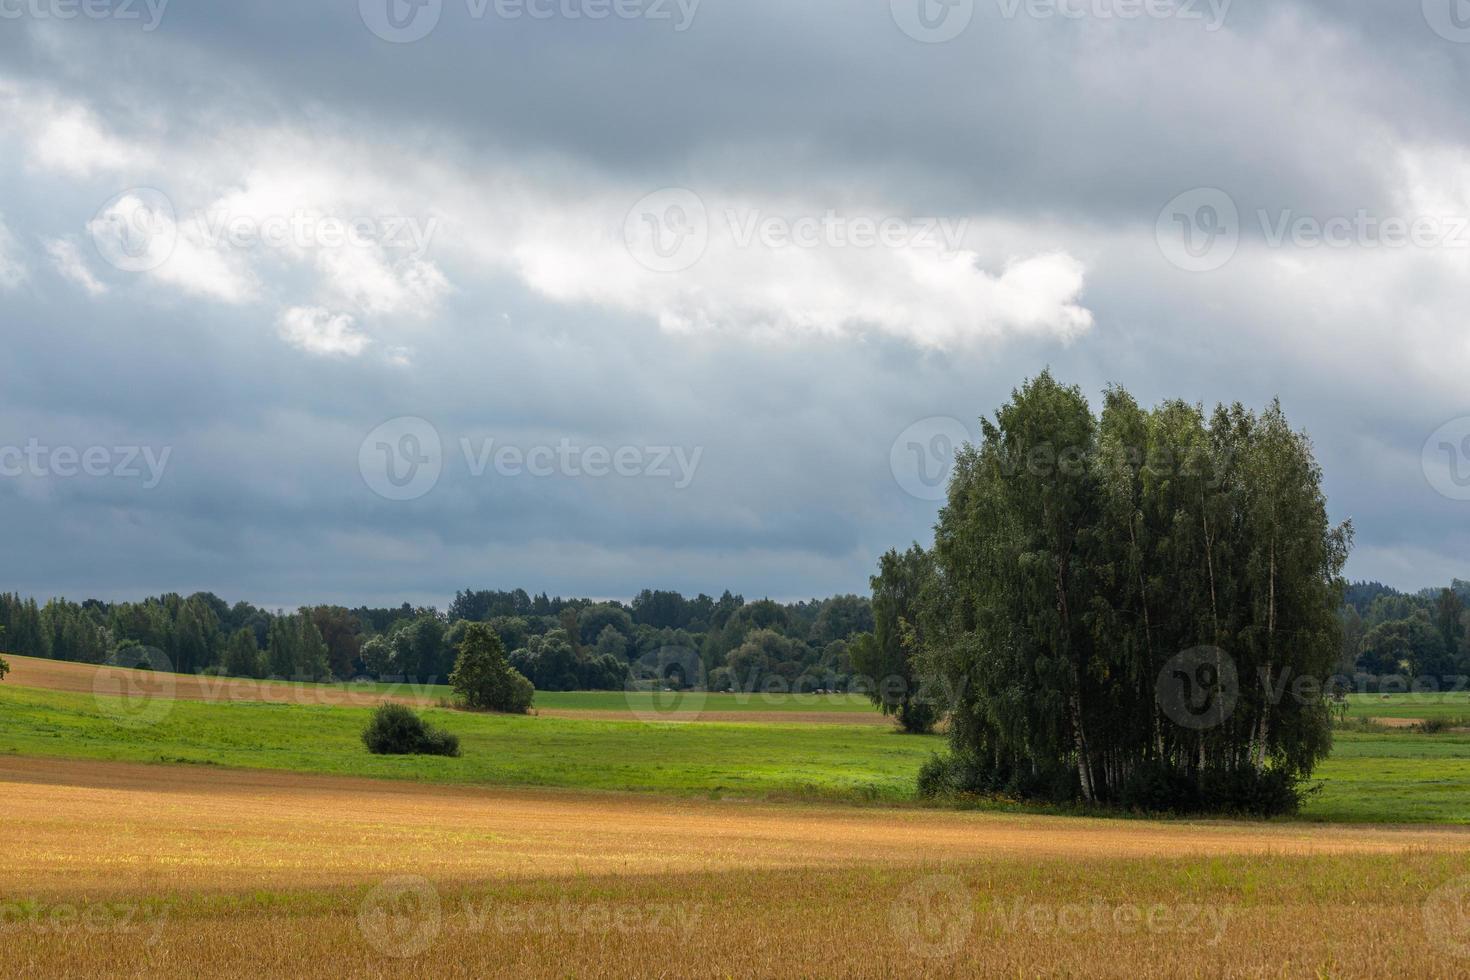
x=1086, y=567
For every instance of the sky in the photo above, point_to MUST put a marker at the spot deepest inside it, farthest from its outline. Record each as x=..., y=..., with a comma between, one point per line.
x=368, y=301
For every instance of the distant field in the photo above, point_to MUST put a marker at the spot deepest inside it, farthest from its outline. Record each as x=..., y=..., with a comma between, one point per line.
x=1398, y=776
x=851, y=762
x=1450, y=706
x=608, y=705
x=113, y=869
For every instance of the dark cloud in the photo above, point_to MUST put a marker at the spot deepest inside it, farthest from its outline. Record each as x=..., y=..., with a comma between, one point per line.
x=1073, y=134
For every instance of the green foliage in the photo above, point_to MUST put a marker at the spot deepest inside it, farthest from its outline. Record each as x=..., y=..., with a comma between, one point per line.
x=394, y=729
x=1077, y=555
x=4, y=668
x=888, y=657
x=416, y=647
x=194, y=634
x=484, y=680
x=553, y=663
x=242, y=656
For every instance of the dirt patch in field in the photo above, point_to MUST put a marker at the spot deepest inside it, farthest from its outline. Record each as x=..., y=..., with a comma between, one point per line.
x=57, y=675
x=82, y=826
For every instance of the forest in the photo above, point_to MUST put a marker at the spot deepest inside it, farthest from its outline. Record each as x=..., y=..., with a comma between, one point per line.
x=559, y=644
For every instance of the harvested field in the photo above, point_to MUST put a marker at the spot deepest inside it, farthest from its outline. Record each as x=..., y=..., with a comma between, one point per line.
x=315, y=830
x=251, y=872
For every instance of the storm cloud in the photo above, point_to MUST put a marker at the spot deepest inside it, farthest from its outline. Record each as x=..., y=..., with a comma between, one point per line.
x=334, y=258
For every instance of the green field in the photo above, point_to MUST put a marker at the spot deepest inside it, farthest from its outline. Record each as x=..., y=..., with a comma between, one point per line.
x=849, y=762
x=639, y=700
x=1398, y=776
x=755, y=701
x=1448, y=706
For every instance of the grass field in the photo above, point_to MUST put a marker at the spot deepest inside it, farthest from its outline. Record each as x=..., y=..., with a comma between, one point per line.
x=835, y=762
x=611, y=705
x=1390, y=776
x=1448, y=706
x=177, y=836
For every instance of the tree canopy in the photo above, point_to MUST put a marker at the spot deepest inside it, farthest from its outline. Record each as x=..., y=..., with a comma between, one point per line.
x=1121, y=601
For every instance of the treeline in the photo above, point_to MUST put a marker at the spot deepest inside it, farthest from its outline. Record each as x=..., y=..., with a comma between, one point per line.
x=1394, y=641
x=1121, y=605
x=660, y=637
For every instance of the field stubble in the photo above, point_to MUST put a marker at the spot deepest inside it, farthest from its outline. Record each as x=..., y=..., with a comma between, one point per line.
x=251, y=873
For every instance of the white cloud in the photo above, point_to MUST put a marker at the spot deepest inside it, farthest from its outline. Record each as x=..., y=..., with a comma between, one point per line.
x=918, y=287
x=320, y=331
x=513, y=218
x=70, y=263
x=139, y=232
x=64, y=135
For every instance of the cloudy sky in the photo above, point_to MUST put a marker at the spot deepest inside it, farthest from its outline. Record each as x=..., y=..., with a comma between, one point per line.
x=372, y=301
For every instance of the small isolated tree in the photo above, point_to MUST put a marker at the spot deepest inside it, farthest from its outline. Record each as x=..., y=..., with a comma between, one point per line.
x=395, y=730
x=483, y=679
x=4, y=668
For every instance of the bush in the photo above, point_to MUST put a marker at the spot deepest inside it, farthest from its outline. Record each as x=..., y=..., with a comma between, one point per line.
x=396, y=730
x=4, y=668
x=483, y=679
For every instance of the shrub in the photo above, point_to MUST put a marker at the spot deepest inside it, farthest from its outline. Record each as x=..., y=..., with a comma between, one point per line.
x=4, y=668
x=483, y=679
x=395, y=730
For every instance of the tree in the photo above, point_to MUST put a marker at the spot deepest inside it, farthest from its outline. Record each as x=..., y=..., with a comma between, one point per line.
x=1079, y=558
x=342, y=633
x=1412, y=647
x=483, y=679
x=311, y=650
x=887, y=657
x=242, y=656
x=611, y=643
x=378, y=656
x=280, y=651
x=661, y=609
x=841, y=617
x=1449, y=612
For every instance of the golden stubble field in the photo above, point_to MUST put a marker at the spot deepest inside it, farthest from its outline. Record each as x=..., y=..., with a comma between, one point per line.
x=120, y=869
